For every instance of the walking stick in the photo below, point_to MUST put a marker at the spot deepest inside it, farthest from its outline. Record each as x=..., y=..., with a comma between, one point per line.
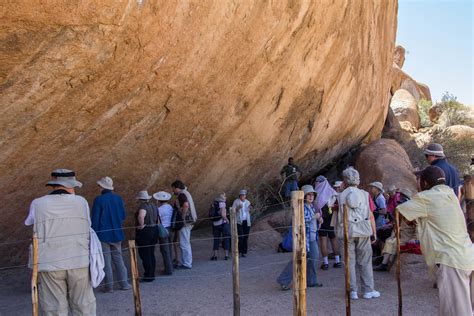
x=399, y=283
x=235, y=262
x=34, y=277
x=346, y=262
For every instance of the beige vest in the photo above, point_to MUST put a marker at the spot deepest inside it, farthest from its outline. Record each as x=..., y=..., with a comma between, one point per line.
x=62, y=226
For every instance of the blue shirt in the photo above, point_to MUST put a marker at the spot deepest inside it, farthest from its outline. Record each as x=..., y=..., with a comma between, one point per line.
x=450, y=173
x=108, y=213
x=380, y=203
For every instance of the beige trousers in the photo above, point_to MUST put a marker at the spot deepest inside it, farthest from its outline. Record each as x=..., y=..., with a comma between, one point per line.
x=60, y=291
x=455, y=296
x=360, y=261
x=407, y=233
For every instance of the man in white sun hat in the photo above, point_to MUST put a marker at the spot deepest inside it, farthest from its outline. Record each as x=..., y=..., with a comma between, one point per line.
x=61, y=222
x=108, y=214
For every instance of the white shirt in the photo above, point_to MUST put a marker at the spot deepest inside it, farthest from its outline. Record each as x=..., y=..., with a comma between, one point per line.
x=244, y=213
x=166, y=212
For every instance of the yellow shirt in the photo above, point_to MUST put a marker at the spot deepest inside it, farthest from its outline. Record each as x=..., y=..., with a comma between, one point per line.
x=441, y=228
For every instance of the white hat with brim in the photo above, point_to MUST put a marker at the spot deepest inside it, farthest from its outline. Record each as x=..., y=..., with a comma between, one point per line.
x=377, y=185
x=243, y=192
x=162, y=196
x=406, y=192
x=308, y=189
x=143, y=195
x=65, y=178
x=434, y=149
x=106, y=183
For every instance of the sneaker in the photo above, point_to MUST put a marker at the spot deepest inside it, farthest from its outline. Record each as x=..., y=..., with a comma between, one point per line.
x=285, y=288
x=181, y=267
x=213, y=258
x=226, y=258
x=337, y=265
x=325, y=266
x=243, y=255
x=381, y=267
x=105, y=290
x=316, y=285
x=126, y=288
x=373, y=294
x=354, y=295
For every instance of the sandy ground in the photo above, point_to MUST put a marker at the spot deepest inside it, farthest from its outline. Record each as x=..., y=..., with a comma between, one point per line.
x=207, y=289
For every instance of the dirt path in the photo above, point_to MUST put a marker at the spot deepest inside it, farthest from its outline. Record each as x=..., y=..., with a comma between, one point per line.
x=207, y=290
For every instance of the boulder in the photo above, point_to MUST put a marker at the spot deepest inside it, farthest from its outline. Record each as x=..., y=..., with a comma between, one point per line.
x=461, y=131
x=216, y=93
x=267, y=231
x=405, y=107
x=386, y=161
x=424, y=91
x=399, y=56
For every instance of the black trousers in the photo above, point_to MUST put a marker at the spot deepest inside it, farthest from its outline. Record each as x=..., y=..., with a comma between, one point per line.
x=146, y=240
x=243, y=231
x=165, y=249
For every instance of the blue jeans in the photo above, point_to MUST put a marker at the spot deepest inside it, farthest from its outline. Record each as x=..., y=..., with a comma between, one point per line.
x=286, y=276
x=113, y=253
x=290, y=185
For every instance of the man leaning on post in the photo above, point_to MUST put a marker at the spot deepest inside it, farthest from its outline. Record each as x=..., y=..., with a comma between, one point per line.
x=61, y=222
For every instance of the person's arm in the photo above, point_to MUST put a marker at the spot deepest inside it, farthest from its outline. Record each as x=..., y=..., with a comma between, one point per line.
x=372, y=223
x=224, y=214
x=184, y=208
x=141, y=218
x=30, y=220
x=95, y=215
x=123, y=212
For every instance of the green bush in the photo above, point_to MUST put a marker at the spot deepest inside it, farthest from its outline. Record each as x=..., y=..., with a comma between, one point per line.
x=458, y=150
x=454, y=112
x=423, y=111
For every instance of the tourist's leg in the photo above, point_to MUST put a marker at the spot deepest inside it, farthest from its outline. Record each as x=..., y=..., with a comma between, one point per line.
x=81, y=295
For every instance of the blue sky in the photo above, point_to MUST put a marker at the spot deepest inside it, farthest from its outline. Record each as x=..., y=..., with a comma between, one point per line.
x=438, y=36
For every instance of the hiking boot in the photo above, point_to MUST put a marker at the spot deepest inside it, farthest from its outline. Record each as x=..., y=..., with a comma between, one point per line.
x=325, y=266
x=105, y=290
x=381, y=267
x=337, y=265
x=213, y=258
x=354, y=295
x=373, y=294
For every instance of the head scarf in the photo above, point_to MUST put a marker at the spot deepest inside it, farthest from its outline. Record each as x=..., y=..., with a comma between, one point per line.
x=324, y=192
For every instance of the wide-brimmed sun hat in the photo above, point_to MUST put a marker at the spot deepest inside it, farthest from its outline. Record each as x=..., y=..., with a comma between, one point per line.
x=308, y=188
x=65, y=178
x=434, y=149
x=162, y=196
x=337, y=184
x=406, y=192
x=143, y=195
x=243, y=192
x=106, y=183
x=377, y=185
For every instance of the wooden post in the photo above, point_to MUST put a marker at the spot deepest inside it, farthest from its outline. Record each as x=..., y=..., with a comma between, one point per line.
x=135, y=285
x=235, y=262
x=399, y=283
x=346, y=261
x=34, y=276
x=299, y=254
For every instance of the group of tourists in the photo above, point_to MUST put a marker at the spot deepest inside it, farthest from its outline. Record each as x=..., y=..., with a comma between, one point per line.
x=68, y=269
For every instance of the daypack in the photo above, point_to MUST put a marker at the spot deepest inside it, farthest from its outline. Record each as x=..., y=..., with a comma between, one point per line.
x=177, y=221
x=215, y=212
x=287, y=242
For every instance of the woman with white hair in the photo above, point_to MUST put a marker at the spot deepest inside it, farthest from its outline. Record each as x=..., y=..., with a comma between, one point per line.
x=361, y=226
x=220, y=226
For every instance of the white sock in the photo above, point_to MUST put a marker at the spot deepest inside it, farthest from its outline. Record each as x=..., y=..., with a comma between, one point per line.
x=326, y=260
x=338, y=259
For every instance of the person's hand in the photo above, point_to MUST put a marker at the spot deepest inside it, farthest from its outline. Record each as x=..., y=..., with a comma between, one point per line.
x=239, y=207
x=320, y=220
x=373, y=239
x=317, y=216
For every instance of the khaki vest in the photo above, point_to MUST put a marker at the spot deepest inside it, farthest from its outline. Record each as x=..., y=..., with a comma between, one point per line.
x=62, y=225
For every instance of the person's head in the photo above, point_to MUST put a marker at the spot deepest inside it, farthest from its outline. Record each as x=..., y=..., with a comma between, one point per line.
x=391, y=190
x=351, y=177
x=433, y=152
x=338, y=186
x=221, y=197
x=320, y=179
x=290, y=161
x=375, y=188
x=309, y=193
x=106, y=183
x=430, y=177
x=177, y=186
x=143, y=196
x=162, y=197
x=64, y=179
x=243, y=195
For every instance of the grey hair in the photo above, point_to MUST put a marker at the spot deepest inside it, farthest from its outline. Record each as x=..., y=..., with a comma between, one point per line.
x=351, y=176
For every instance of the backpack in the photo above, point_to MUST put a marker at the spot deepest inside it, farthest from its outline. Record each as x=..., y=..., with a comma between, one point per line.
x=287, y=242
x=215, y=212
x=177, y=221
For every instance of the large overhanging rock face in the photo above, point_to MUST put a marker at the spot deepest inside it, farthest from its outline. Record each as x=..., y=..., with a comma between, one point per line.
x=216, y=93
